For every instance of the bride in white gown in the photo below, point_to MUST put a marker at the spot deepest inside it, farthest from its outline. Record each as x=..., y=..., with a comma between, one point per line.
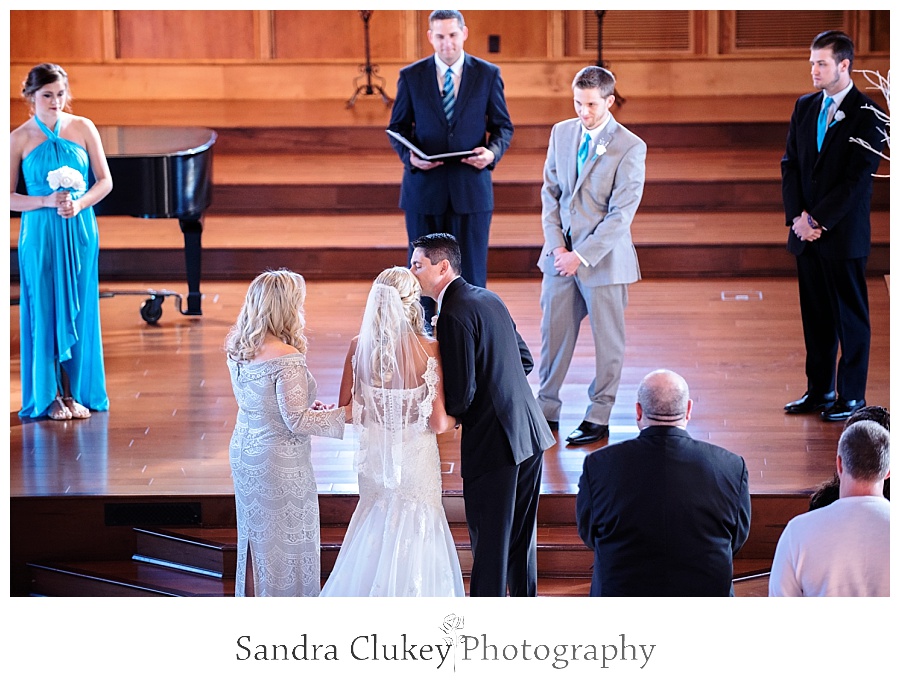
x=398, y=543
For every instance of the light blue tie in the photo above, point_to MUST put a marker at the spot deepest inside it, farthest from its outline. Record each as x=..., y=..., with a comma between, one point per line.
x=449, y=100
x=823, y=121
x=583, y=151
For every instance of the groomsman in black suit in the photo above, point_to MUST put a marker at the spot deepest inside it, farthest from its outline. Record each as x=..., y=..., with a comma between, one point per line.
x=451, y=101
x=827, y=190
x=504, y=433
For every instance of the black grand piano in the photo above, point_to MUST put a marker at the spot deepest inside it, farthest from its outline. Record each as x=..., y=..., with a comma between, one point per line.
x=162, y=172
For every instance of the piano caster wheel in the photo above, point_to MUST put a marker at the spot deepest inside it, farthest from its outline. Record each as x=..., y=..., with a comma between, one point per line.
x=151, y=309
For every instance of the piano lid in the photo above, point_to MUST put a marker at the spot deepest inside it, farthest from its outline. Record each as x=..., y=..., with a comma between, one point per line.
x=158, y=171
x=134, y=141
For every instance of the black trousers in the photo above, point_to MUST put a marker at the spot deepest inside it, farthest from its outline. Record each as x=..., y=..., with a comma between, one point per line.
x=501, y=511
x=834, y=305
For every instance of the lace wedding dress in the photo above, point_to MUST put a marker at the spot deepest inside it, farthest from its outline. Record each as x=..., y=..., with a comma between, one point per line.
x=274, y=486
x=398, y=543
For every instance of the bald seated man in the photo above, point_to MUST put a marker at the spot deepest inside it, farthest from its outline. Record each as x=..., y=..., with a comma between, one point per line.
x=663, y=512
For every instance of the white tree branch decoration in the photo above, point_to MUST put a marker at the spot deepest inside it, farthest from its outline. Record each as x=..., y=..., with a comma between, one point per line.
x=883, y=84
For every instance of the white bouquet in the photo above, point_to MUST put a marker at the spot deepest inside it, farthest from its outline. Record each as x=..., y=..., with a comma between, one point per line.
x=66, y=178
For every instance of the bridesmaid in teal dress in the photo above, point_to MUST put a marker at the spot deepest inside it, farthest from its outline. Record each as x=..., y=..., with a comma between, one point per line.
x=61, y=350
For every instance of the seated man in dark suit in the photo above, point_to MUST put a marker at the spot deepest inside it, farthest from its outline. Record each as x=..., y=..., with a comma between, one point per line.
x=664, y=513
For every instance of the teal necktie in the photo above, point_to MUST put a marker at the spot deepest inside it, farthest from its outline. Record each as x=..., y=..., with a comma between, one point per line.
x=447, y=97
x=583, y=152
x=823, y=121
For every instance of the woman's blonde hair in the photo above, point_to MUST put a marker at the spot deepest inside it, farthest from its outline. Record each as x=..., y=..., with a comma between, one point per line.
x=274, y=305
x=388, y=332
x=410, y=292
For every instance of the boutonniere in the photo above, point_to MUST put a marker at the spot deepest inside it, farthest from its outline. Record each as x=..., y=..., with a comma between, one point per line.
x=434, y=321
x=838, y=116
x=600, y=149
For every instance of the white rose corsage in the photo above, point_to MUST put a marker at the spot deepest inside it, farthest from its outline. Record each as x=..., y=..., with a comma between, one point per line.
x=434, y=321
x=66, y=178
x=838, y=116
x=600, y=149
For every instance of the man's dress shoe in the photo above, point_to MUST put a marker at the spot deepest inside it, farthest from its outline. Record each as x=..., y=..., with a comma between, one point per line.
x=587, y=432
x=810, y=404
x=554, y=425
x=842, y=409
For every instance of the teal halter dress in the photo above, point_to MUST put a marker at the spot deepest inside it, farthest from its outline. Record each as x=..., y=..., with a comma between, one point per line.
x=59, y=303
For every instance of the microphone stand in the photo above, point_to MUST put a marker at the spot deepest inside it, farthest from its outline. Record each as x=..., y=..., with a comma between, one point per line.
x=369, y=70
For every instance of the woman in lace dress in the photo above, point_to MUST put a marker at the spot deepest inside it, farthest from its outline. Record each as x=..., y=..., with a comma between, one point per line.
x=274, y=486
x=398, y=543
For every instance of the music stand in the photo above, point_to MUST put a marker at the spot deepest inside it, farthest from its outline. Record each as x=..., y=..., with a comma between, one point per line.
x=370, y=70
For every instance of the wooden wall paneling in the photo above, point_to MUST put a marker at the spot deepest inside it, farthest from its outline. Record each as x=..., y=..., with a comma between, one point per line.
x=777, y=30
x=62, y=36
x=650, y=33
x=338, y=34
x=412, y=32
x=110, y=36
x=556, y=34
x=187, y=34
x=874, y=31
x=264, y=29
x=523, y=33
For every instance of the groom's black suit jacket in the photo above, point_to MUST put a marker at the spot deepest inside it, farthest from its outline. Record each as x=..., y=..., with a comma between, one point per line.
x=485, y=362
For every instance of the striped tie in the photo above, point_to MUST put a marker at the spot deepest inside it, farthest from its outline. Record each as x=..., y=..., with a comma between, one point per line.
x=449, y=100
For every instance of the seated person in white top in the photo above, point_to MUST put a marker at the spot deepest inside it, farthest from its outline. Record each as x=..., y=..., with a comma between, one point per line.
x=843, y=549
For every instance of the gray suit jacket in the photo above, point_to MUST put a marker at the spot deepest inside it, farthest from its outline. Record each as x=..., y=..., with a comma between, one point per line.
x=597, y=207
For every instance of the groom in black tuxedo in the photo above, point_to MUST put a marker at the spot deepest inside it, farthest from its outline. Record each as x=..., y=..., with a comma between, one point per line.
x=504, y=434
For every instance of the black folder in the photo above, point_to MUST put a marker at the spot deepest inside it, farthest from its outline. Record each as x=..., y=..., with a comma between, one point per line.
x=440, y=157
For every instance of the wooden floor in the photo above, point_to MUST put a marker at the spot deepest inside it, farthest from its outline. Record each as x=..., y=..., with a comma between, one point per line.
x=736, y=341
x=718, y=304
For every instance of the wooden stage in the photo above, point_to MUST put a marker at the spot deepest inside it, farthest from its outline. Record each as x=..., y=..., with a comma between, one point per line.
x=165, y=439
x=718, y=304
x=737, y=342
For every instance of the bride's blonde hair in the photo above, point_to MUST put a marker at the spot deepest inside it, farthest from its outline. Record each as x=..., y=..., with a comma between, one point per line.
x=387, y=332
x=410, y=292
x=273, y=305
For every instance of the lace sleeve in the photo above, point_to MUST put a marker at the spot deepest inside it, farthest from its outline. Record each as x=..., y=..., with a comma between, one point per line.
x=431, y=378
x=292, y=392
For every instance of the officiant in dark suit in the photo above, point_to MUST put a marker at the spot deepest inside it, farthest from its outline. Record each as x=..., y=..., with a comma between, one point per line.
x=451, y=101
x=827, y=191
x=504, y=433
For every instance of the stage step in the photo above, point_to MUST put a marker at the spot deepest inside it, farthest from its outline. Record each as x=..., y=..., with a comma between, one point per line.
x=200, y=561
x=193, y=561
x=369, y=182
x=530, y=137
x=122, y=579
x=564, y=570
x=205, y=551
x=688, y=244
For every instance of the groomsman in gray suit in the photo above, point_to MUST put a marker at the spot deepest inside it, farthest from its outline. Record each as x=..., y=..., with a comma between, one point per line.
x=593, y=183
